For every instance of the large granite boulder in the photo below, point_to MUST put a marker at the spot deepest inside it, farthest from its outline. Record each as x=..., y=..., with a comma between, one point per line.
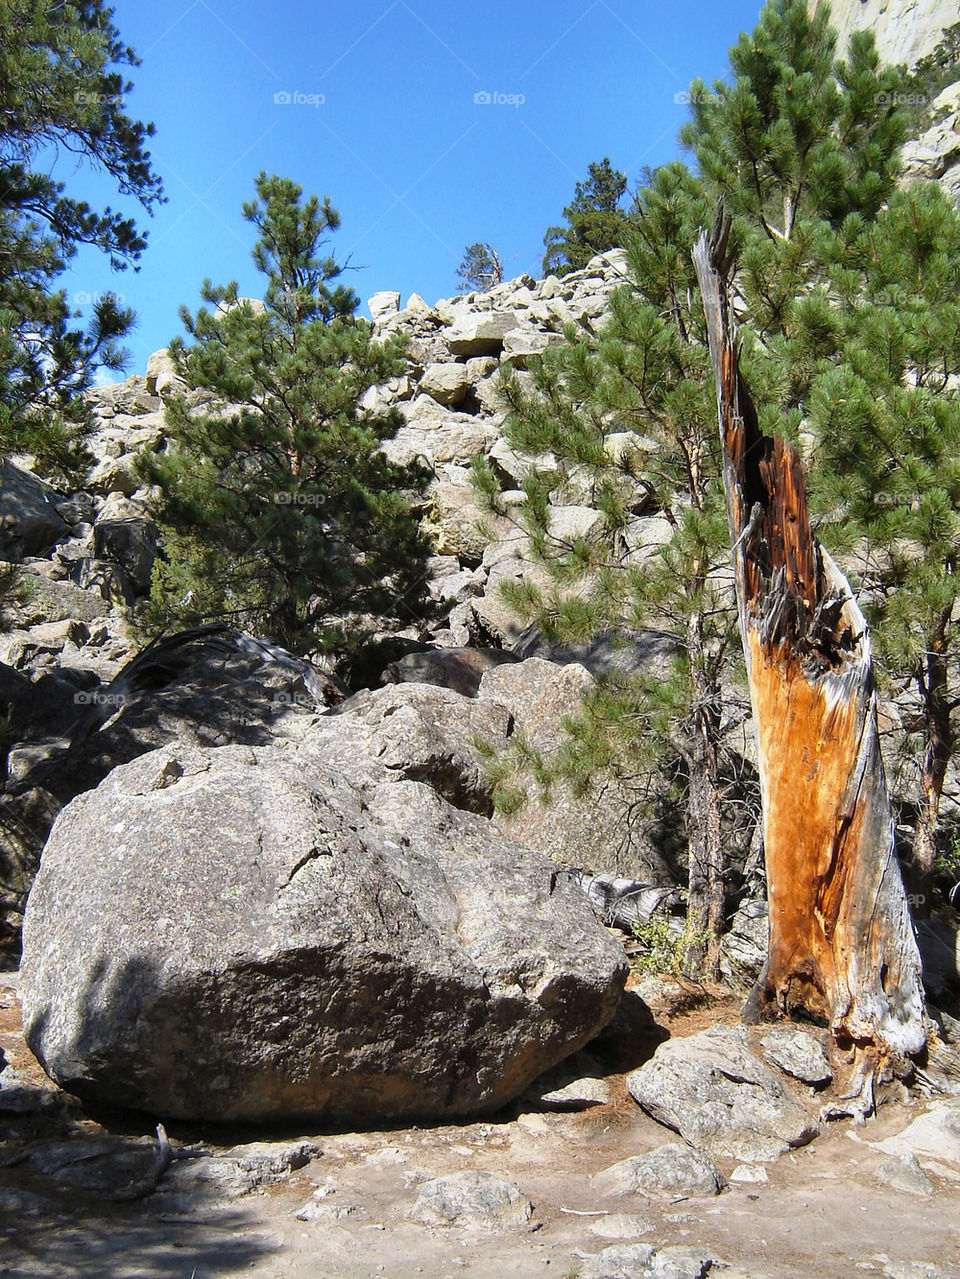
x=245, y=934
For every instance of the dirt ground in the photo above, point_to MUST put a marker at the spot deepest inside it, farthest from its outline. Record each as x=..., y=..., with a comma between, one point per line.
x=821, y=1215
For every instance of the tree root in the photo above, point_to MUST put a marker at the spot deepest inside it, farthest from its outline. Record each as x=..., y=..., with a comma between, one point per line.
x=859, y=1101
x=147, y=1184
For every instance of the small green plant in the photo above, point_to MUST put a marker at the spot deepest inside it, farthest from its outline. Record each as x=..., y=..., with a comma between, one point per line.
x=665, y=947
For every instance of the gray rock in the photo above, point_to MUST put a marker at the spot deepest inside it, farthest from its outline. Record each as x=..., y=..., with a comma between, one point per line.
x=421, y=732
x=446, y=383
x=619, y=1261
x=480, y=333
x=29, y=521
x=94, y=1164
x=438, y=434
x=162, y=378
x=125, y=533
x=115, y=475
x=904, y=30
x=383, y=304
x=575, y=1084
x=750, y=1174
x=79, y=508
x=666, y=1172
x=903, y=1172
x=238, y=1171
x=520, y=344
x=472, y=1199
x=255, y=305
x=52, y=601
x=595, y=829
x=743, y=950
x=645, y=1261
x=19, y=1098
x=720, y=1097
x=798, y=1054
x=453, y=519
x=236, y=934
x=460, y=669
x=23, y=1203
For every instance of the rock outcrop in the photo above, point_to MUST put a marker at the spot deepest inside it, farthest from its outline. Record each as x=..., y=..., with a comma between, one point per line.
x=251, y=933
x=905, y=30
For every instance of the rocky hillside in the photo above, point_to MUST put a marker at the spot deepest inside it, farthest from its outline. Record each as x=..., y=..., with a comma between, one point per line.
x=905, y=29
x=77, y=704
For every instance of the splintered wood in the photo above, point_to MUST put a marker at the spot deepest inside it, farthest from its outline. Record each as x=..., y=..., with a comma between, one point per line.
x=842, y=947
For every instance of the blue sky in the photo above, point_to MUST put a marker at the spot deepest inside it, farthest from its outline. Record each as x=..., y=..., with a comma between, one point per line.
x=384, y=119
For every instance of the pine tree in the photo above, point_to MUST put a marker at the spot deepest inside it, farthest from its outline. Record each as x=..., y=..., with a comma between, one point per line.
x=631, y=413
x=884, y=413
x=801, y=148
x=278, y=506
x=480, y=268
x=60, y=89
x=595, y=221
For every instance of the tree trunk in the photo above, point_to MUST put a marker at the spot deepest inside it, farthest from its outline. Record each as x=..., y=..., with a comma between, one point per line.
x=705, y=896
x=936, y=713
x=842, y=948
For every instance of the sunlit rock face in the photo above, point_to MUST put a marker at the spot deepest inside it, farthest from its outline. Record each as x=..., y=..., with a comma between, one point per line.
x=905, y=30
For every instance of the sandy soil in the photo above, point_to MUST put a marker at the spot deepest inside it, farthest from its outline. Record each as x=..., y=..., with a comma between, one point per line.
x=822, y=1214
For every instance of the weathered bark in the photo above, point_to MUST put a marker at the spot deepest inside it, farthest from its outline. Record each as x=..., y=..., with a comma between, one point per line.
x=842, y=948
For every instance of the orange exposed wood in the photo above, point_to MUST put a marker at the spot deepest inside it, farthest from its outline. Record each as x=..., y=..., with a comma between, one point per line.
x=842, y=947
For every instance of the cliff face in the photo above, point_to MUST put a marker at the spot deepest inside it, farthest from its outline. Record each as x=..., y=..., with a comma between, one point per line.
x=905, y=30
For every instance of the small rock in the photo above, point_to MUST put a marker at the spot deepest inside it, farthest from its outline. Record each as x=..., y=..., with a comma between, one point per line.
x=313, y=1211
x=471, y=1199
x=750, y=1173
x=915, y=1270
x=644, y=1261
x=577, y=1095
x=446, y=383
x=720, y=1097
x=666, y=1172
x=620, y=1261
x=797, y=1053
x=903, y=1172
x=620, y=1225
x=383, y=304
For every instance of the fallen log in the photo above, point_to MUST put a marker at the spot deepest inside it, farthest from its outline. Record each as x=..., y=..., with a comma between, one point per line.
x=842, y=948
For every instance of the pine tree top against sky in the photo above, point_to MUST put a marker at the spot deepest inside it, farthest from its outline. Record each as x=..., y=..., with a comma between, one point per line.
x=431, y=126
